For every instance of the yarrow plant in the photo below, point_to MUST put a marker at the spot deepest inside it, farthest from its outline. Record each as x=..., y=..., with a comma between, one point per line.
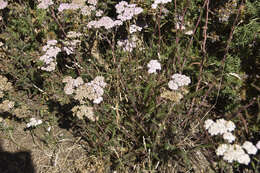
x=148, y=100
x=153, y=66
x=3, y=4
x=44, y=4
x=92, y=91
x=33, y=122
x=49, y=58
x=71, y=42
x=127, y=11
x=105, y=22
x=157, y=2
x=230, y=152
x=178, y=80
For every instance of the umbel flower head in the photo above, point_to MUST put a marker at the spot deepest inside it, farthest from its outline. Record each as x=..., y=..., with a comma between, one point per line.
x=178, y=80
x=93, y=90
x=249, y=147
x=153, y=66
x=232, y=153
x=3, y=4
x=219, y=127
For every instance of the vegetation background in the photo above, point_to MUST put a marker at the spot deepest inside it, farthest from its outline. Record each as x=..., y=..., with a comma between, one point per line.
x=138, y=129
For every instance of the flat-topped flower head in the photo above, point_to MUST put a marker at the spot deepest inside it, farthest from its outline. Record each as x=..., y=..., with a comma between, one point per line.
x=181, y=80
x=220, y=127
x=127, y=11
x=249, y=147
x=258, y=145
x=33, y=122
x=44, y=4
x=157, y=2
x=229, y=137
x=3, y=4
x=178, y=80
x=153, y=66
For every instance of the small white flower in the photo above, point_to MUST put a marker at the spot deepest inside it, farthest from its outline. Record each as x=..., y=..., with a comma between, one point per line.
x=172, y=85
x=249, y=147
x=77, y=82
x=258, y=145
x=230, y=126
x=33, y=122
x=3, y=4
x=217, y=128
x=93, y=2
x=178, y=26
x=208, y=123
x=134, y=28
x=221, y=149
x=244, y=159
x=181, y=80
x=153, y=65
x=98, y=100
x=236, y=153
x=154, y=6
x=190, y=32
x=73, y=34
x=45, y=4
x=229, y=137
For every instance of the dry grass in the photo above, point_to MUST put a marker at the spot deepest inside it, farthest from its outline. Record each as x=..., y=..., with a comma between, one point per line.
x=60, y=153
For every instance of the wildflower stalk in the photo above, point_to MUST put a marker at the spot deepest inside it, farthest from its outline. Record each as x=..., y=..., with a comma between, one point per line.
x=177, y=36
x=203, y=57
x=159, y=28
x=63, y=32
x=191, y=39
x=227, y=49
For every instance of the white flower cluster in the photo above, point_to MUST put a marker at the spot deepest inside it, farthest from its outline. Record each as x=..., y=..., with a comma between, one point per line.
x=93, y=2
x=127, y=45
x=44, y=4
x=71, y=84
x=93, y=90
x=82, y=111
x=127, y=11
x=258, y=145
x=84, y=9
x=3, y=4
x=4, y=85
x=157, y=2
x=230, y=152
x=178, y=26
x=33, y=122
x=68, y=6
x=153, y=66
x=134, y=28
x=178, y=80
x=221, y=127
x=72, y=43
x=99, y=13
x=249, y=147
x=49, y=58
x=6, y=106
x=105, y=22
x=181, y=26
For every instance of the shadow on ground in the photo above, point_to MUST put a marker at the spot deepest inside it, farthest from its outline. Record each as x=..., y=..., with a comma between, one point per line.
x=18, y=162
